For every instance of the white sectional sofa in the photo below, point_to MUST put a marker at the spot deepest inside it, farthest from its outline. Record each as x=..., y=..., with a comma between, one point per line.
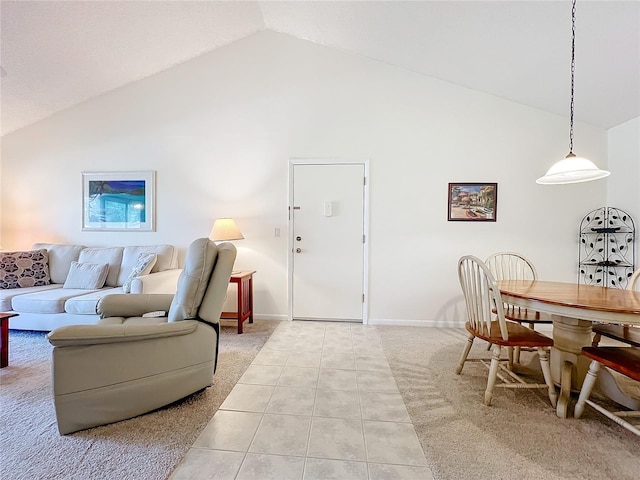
x=49, y=306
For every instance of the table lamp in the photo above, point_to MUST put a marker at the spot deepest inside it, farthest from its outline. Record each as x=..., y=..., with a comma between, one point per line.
x=225, y=229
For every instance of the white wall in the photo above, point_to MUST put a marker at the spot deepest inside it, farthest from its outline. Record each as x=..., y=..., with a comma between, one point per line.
x=220, y=129
x=623, y=186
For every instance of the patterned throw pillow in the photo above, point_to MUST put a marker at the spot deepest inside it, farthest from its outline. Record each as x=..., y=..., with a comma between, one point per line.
x=24, y=269
x=143, y=266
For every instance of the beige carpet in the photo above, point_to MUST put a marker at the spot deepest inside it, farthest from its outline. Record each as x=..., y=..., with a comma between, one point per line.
x=518, y=437
x=144, y=448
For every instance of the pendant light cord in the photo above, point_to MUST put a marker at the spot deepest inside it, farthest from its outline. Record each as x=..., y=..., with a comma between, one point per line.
x=573, y=70
x=572, y=169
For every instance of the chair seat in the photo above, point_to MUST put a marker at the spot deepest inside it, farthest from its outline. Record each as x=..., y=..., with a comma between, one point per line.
x=526, y=315
x=622, y=333
x=624, y=360
x=519, y=336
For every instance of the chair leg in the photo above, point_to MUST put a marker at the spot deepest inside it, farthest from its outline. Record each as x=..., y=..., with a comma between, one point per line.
x=493, y=374
x=516, y=354
x=587, y=386
x=465, y=352
x=510, y=358
x=543, y=353
x=596, y=340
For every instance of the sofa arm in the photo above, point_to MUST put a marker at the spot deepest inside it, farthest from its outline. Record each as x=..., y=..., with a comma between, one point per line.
x=159, y=282
x=78, y=335
x=132, y=305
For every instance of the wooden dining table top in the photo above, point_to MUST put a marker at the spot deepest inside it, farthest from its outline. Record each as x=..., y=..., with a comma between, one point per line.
x=574, y=295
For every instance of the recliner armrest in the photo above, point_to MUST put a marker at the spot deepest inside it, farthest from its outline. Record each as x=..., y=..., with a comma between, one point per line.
x=76, y=335
x=133, y=305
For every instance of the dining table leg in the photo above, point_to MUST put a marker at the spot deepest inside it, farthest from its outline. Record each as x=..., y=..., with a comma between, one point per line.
x=568, y=365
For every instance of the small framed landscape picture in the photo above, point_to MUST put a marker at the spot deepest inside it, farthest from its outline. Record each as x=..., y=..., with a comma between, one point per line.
x=472, y=202
x=118, y=201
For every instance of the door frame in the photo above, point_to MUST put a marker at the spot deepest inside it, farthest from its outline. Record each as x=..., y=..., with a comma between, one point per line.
x=365, y=222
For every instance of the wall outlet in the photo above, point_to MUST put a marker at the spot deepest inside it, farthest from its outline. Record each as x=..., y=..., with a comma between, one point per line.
x=276, y=232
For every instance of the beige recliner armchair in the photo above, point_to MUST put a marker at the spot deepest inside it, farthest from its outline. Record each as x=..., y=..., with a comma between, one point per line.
x=128, y=364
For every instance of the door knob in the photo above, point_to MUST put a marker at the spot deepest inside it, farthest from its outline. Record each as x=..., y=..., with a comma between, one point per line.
x=298, y=238
x=298, y=250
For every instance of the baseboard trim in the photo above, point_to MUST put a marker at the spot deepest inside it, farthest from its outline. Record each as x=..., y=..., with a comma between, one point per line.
x=415, y=323
x=270, y=316
x=378, y=321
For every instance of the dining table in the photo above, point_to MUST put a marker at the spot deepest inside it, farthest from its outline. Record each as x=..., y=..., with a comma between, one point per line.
x=574, y=308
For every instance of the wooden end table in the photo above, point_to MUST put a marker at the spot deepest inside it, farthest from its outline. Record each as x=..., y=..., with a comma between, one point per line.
x=4, y=338
x=244, y=280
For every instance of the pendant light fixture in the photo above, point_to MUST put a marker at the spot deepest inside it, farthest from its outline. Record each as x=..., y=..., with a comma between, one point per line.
x=572, y=169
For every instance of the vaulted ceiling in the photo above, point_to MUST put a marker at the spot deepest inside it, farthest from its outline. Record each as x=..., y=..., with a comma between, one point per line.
x=55, y=54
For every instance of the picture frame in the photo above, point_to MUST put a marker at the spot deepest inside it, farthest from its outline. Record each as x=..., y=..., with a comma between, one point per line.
x=472, y=202
x=118, y=201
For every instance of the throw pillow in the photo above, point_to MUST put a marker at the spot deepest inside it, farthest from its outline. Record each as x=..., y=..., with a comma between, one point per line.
x=24, y=269
x=143, y=266
x=87, y=276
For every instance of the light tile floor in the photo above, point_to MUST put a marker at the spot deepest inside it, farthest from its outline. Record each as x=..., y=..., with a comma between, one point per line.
x=318, y=402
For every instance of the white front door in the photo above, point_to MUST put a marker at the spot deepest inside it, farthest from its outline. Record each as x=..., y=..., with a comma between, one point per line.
x=327, y=228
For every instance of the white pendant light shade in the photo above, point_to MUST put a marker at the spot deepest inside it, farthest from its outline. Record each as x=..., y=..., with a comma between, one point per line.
x=572, y=169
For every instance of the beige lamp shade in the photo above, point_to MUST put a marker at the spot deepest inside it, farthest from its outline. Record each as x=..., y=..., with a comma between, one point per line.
x=225, y=229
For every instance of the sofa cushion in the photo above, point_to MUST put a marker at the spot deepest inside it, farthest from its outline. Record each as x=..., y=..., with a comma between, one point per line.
x=193, y=280
x=7, y=295
x=24, y=269
x=87, y=276
x=60, y=258
x=110, y=255
x=87, y=304
x=48, y=301
x=166, y=259
x=143, y=266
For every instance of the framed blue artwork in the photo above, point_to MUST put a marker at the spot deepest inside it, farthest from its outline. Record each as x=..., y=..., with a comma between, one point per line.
x=118, y=201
